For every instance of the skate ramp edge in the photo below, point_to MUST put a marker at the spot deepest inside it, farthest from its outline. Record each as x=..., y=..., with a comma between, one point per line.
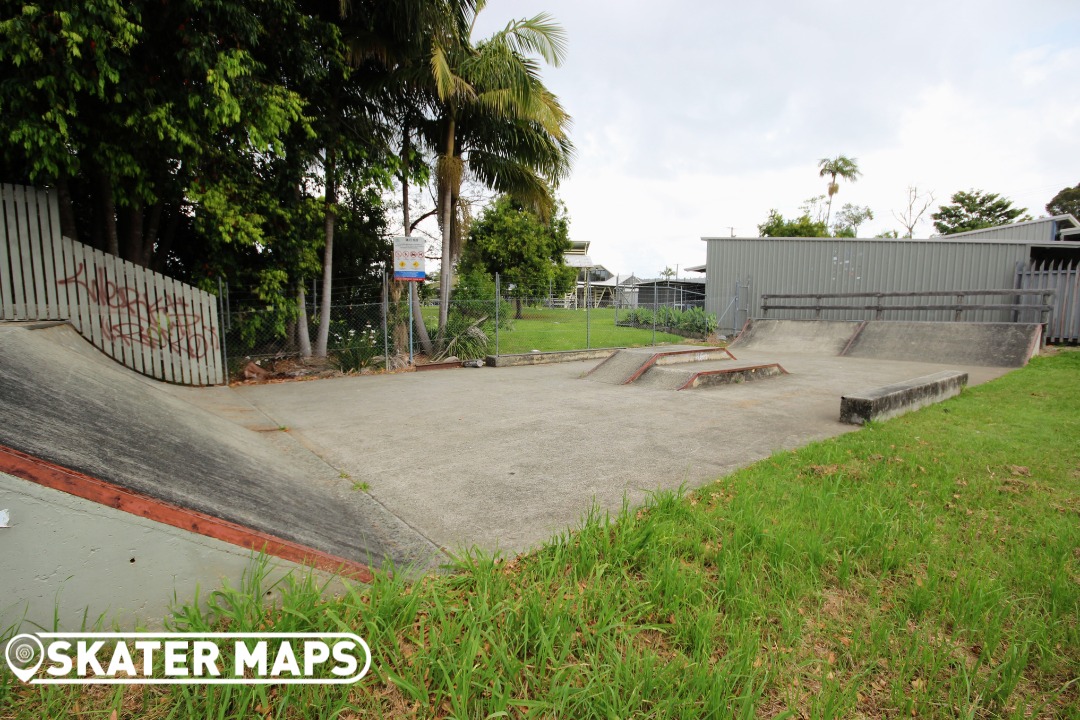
x=124, y=556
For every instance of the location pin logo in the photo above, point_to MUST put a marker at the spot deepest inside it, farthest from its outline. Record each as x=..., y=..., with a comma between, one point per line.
x=24, y=655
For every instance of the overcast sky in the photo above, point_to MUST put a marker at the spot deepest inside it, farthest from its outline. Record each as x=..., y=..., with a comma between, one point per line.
x=693, y=119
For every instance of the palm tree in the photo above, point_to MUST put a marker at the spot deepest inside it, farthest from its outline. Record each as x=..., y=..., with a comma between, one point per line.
x=496, y=120
x=839, y=166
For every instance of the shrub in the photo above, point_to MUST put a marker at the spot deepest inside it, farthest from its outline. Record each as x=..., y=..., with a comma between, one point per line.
x=357, y=351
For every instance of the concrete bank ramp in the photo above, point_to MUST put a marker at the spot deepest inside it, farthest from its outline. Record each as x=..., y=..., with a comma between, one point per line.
x=626, y=366
x=813, y=337
x=63, y=401
x=953, y=343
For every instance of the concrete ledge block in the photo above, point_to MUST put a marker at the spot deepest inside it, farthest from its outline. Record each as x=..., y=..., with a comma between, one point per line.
x=892, y=400
x=544, y=358
x=734, y=376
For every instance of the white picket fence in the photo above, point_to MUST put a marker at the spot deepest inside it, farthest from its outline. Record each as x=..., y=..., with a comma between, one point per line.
x=154, y=325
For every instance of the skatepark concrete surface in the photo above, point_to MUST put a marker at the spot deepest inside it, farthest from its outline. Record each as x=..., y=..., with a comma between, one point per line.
x=499, y=458
x=63, y=401
x=503, y=458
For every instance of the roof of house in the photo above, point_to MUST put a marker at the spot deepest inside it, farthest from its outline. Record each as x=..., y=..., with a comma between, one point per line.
x=673, y=281
x=611, y=281
x=1045, y=229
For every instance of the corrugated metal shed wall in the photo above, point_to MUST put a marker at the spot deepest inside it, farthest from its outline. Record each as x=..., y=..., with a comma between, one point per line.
x=838, y=265
x=1037, y=231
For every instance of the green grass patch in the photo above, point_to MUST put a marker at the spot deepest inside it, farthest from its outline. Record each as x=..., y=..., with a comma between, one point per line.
x=554, y=329
x=928, y=566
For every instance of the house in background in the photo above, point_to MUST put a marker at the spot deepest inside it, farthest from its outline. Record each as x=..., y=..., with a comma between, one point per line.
x=681, y=294
x=595, y=282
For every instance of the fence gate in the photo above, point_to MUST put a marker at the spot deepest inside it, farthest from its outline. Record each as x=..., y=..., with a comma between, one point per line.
x=1064, y=279
x=152, y=324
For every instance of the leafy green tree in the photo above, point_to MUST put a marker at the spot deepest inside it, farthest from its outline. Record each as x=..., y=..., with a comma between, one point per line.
x=136, y=110
x=849, y=218
x=525, y=249
x=974, y=210
x=840, y=166
x=1066, y=202
x=803, y=226
x=495, y=117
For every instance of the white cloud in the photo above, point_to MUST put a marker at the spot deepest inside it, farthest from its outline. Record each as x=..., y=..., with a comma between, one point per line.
x=700, y=116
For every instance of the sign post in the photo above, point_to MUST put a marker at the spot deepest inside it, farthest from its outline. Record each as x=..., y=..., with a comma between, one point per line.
x=409, y=267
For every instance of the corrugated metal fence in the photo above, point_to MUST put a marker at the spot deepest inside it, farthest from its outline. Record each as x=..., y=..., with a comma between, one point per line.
x=152, y=324
x=741, y=270
x=1064, y=279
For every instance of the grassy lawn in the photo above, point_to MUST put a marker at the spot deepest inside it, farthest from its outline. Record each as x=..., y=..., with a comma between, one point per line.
x=552, y=329
x=549, y=329
x=924, y=567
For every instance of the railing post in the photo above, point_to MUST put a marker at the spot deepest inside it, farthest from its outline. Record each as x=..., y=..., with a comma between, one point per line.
x=498, y=294
x=385, y=312
x=221, y=323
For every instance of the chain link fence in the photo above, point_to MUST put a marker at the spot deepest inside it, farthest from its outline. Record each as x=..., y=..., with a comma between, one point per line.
x=369, y=336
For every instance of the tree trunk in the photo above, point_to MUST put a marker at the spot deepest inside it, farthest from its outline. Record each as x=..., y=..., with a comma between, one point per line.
x=418, y=318
x=150, y=238
x=303, y=337
x=67, y=211
x=328, y=256
x=134, y=246
x=108, y=215
x=446, y=267
x=164, y=247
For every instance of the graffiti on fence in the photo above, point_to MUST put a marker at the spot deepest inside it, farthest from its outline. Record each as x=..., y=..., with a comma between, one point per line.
x=161, y=322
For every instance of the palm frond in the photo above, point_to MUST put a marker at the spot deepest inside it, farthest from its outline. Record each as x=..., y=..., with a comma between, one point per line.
x=540, y=35
x=448, y=84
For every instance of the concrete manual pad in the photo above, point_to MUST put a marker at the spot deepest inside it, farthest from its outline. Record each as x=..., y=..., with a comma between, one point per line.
x=63, y=401
x=504, y=458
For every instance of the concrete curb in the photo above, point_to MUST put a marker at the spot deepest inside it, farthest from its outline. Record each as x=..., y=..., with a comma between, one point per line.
x=896, y=399
x=544, y=358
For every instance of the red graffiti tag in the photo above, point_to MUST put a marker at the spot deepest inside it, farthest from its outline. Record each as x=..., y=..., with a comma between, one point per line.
x=163, y=322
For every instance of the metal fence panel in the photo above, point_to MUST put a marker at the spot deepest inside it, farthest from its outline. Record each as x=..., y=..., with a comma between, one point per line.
x=1064, y=279
x=843, y=265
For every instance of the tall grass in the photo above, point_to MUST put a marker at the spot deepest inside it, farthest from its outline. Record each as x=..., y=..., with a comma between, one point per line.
x=924, y=567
